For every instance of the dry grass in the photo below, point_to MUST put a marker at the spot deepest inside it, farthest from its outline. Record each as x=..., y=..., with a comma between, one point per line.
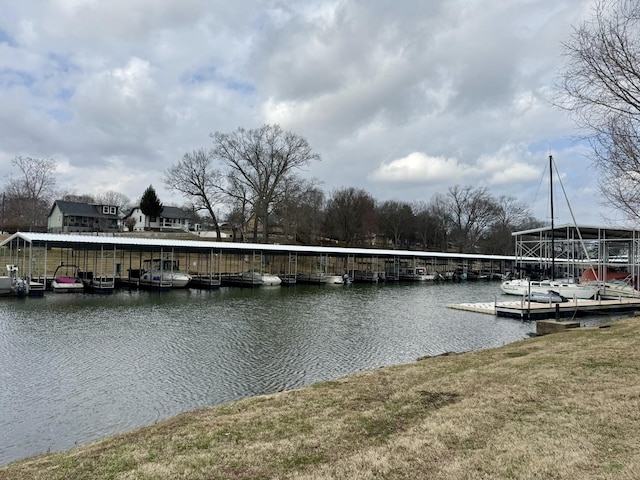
x=565, y=406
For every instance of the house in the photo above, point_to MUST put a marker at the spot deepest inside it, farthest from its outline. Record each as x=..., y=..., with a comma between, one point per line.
x=171, y=218
x=67, y=217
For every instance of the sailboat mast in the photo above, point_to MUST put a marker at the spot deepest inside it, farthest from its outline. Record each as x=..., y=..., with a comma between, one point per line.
x=553, y=250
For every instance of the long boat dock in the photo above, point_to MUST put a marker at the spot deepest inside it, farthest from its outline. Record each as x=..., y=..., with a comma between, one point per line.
x=536, y=311
x=116, y=255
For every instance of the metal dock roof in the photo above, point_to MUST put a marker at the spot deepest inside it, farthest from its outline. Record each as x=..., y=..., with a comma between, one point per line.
x=153, y=244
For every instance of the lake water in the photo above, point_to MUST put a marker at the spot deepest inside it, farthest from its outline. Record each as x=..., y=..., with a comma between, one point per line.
x=78, y=367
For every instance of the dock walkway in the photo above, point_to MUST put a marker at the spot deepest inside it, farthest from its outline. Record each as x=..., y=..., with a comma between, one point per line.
x=532, y=311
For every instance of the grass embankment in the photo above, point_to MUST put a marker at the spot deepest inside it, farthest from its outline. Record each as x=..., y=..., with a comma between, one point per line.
x=564, y=406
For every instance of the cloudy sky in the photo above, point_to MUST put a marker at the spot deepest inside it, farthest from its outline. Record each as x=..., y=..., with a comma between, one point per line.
x=401, y=98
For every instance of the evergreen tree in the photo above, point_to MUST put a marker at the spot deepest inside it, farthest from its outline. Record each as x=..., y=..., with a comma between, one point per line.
x=150, y=204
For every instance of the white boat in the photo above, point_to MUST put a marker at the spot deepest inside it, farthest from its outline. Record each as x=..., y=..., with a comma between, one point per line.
x=618, y=289
x=417, y=274
x=570, y=290
x=338, y=279
x=614, y=284
x=269, y=279
x=66, y=279
x=163, y=273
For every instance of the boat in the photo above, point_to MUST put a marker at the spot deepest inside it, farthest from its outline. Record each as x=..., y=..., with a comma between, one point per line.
x=550, y=296
x=319, y=278
x=614, y=284
x=525, y=287
x=569, y=289
x=368, y=276
x=66, y=279
x=7, y=282
x=162, y=274
x=242, y=279
x=268, y=279
x=338, y=279
x=97, y=284
x=418, y=274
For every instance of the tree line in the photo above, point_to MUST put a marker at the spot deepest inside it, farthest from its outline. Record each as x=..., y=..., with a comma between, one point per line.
x=262, y=198
x=251, y=177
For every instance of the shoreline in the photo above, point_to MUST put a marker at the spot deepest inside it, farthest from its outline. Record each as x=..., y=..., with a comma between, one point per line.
x=561, y=406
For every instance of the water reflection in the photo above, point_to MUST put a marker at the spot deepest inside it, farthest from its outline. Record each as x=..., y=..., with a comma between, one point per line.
x=78, y=367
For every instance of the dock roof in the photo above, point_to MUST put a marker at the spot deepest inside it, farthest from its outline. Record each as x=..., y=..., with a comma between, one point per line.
x=154, y=244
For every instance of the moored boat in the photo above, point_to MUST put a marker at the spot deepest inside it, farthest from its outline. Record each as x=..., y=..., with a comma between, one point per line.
x=319, y=278
x=242, y=279
x=162, y=274
x=66, y=279
x=418, y=274
x=524, y=287
x=268, y=279
x=550, y=296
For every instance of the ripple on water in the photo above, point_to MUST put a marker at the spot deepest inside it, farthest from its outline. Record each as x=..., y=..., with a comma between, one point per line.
x=79, y=367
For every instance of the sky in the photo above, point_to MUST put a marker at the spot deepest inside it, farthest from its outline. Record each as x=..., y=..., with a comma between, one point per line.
x=403, y=98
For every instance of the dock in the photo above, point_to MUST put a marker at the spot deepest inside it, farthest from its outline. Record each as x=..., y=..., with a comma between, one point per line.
x=539, y=311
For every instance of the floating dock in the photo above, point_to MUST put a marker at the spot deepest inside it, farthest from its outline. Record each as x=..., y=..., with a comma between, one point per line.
x=538, y=311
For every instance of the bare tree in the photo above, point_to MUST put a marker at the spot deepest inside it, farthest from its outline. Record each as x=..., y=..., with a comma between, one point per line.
x=432, y=223
x=301, y=211
x=197, y=179
x=350, y=215
x=600, y=86
x=115, y=199
x=258, y=165
x=28, y=196
x=471, y=210
x=396, y=221
x=510, y=215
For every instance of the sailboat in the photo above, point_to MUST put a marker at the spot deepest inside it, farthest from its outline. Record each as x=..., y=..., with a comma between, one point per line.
x=568, y=289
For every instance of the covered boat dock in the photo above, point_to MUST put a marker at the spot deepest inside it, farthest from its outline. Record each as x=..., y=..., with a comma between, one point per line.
x=36, y=255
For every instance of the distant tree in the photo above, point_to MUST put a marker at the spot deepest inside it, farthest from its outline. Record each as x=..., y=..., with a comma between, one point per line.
x=196, y=177
x=257, y=166
x=350, y=215
x=71, y=196
x=150, y=204
x=29, y=195
x=396, y=221
x=115, y=199
x=471, y=211
x=510, y=216
x=432, y=223
x=130, y=223
x=300, y=211
x=600, y=87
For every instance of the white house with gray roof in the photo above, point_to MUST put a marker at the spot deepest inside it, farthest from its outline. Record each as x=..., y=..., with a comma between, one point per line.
x=171, y=218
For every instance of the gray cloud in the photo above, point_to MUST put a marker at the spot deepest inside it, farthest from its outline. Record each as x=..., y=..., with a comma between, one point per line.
x=402, y=99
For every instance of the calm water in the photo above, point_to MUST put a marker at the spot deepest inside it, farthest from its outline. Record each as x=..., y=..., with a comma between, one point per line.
x=75, y=367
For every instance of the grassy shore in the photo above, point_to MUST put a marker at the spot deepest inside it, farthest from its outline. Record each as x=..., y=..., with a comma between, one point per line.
x=563, y=406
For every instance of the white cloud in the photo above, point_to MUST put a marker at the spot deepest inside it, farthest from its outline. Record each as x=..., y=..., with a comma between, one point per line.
x=420, y=168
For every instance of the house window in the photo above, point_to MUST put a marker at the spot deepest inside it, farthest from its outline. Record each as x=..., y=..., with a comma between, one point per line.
x=105, y=209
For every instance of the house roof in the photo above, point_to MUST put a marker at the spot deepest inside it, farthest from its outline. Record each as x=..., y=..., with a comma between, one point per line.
x=80, y=209
x=173, y=212
x=167, y=212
